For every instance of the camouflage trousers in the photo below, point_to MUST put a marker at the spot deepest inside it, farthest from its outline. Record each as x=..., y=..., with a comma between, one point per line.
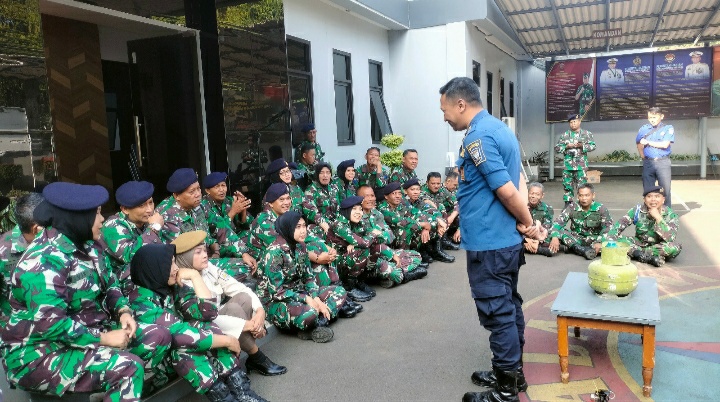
x=298, y=315
x=571, y=180
x=409, y=260
x=119, y=373
x=375, y=261
x=325, y=275
x=234, y=267
x=570, y=239
x=202, y=369
x=664, y=249
x=407, y=239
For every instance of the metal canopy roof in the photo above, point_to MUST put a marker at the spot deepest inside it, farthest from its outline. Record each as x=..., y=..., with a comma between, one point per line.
x=565, y=27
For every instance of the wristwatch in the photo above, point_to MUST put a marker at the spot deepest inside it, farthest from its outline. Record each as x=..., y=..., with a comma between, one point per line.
x=155, y=226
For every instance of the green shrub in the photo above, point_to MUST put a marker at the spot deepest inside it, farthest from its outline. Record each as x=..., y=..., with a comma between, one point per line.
x=392, y=158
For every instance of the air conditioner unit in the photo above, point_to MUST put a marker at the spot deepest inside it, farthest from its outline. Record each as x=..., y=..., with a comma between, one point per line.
x=510, y=121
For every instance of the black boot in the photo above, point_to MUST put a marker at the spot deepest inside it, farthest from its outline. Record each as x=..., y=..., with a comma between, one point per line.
x=488, y=379
x=356, y=306
x=425, y=254
x=416, y=273
x=347, y=311
x=239, y=385
x=263, y=365
x=353, y=292
x=365, y=288
x=562, y=249
x=219, y=392
x=544, y=251
x=437, y=252
x=424, y=265
x=447, y=244
x=642, y=256
x=583, y=251
x=505, y=390
x=322, y=332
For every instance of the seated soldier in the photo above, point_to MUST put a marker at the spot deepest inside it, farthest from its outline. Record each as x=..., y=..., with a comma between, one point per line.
x=14, y=243
x=307, y=161
x=321, y=202
x=225, y=211
x=310, y=139
x=287, y=288
x=589, y=221
x=406, y=171
x=6, y=216
x=445, y=202
x=242, y=315
x=373, y=173
x=135, y=225
x=201, y=353
x=542, y=213
x=656, y=227
x=279, y=171
x=425, y=211
x=345, y=180
x=451, y=185
x=409, y=232
x=69, y=319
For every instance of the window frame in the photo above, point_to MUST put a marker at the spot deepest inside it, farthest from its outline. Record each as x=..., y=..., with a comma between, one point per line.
x=379, y=111
x=347, y=83
x=489, y=92
x=511, y=90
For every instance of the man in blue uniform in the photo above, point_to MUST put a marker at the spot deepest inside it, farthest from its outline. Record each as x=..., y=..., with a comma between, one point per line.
x=494, y=219
x=654, y=143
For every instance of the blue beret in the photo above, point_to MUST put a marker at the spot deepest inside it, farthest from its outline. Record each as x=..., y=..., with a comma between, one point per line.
x=391, y=187
x=75, y=197
x=213, y=179
x=308, y=127
x=573, y=116
x=350, y=202
x=342, y=166
x=134, y=193
x=654, y=189
x=275, y=191
x=293, y=166
x=181, y=179
x=275, y=166
x=412, y=182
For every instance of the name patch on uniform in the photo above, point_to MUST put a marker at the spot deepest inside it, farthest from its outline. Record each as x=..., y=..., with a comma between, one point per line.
x=476, y=152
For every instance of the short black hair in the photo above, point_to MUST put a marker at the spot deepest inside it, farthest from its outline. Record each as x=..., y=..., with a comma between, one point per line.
x=451, y=175
x=306, y=147
x=407, y=151
x=24, y=209
x=434, y=174
x=588, y=186
x=462, y=88
x=372, y=148
x=655, y=109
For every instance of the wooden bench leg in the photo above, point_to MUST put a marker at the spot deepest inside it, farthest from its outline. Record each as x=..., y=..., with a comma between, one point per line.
x=563, y=348
x=648, y=364
x=577, y=332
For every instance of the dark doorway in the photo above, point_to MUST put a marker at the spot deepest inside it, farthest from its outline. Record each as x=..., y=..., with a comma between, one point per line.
x=167, y=119
x=118, y=109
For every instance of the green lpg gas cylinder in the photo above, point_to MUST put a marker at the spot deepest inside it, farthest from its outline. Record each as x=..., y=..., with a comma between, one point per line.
x=613, y=274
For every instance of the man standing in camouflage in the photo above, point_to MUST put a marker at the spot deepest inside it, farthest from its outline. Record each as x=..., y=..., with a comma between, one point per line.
x=574, y=144
x=406, y=171
x=373, y=173
x=589, y=222
x=310, y=139
x=656, y=227
x=135, y=225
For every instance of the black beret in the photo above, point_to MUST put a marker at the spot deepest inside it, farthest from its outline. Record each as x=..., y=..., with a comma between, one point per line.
x=276, y=166
x=391, y=187
x=75, y=197
x=412, y=182
x=275, y=191
x=654, y=189
x=319, y=166
x=181, y=179
x=350, y=202
x=4, y=202
x=573, y=116
x=213, y=179
x=342, y=166
x=292, y=166
x=134, y=193
x=308, y=127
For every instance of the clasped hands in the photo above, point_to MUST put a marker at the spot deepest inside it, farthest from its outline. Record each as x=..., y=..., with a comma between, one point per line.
x=535, y=231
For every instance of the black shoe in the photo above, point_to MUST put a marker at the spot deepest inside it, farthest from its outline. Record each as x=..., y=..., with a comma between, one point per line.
x=505, y=389
x=416, y=273
x=584, y=251
x=346, y=311
x=358, y=295
x=356, y=306
x=263, y=365
x=488, y=379
x=544, y=251
x=424, y=265
x=563, y=249
x=365, y=288
x=219, y=392
x=426, y=258
x=239, y=385
x=448, y=245
x=437, y=252
x=642, y=256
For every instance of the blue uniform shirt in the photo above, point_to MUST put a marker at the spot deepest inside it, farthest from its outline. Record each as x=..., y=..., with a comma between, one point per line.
x=665, y=133
x=489, y=158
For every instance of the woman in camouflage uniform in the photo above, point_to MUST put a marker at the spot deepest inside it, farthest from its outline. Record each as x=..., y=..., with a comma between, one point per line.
x=287, y=286
x=70, y=321
x=345, y=179
x=278, y=171
x=321, y=202
x=201, y=354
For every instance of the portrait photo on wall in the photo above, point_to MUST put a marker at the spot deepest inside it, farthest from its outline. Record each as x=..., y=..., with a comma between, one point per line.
x=682, y=82
x=715, y=89
x=570, y=89
x=625, y=86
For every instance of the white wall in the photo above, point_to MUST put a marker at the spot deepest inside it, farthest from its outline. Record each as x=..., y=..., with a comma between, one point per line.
x=327, y=28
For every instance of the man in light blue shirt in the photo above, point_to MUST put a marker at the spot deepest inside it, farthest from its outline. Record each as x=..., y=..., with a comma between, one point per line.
x=495, y=217
x=654, y=142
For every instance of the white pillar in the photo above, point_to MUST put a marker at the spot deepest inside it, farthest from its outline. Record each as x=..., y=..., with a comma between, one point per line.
x=702, y=134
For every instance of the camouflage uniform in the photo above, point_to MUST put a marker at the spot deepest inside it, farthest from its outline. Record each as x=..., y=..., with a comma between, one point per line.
x=344, y=190
x=262, y=233
x=651, y=237
x=370, y=177
x=320, y=205
x=575, y=160
x=425, y=212
x=586, y=227
x=409, y=259
x=319, y=154
x=308, y=169
x=189, y=320
x=402, y=221
x=7, y=218
x=285, y=280
x=217, y=213
x=325, y=274
x=587, y=94
x=445, y=201
x=401, y=175
x=369, y=254
x=124, y=239
x=297, y=196
x=62, y=300
x=178, y=221
x=544, y=213
x=12, y=247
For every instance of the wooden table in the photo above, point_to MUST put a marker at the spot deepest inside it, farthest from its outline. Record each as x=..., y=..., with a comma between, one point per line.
x=578, y=306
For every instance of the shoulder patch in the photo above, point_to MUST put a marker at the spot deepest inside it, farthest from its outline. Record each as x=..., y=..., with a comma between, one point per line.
x=476, y=152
